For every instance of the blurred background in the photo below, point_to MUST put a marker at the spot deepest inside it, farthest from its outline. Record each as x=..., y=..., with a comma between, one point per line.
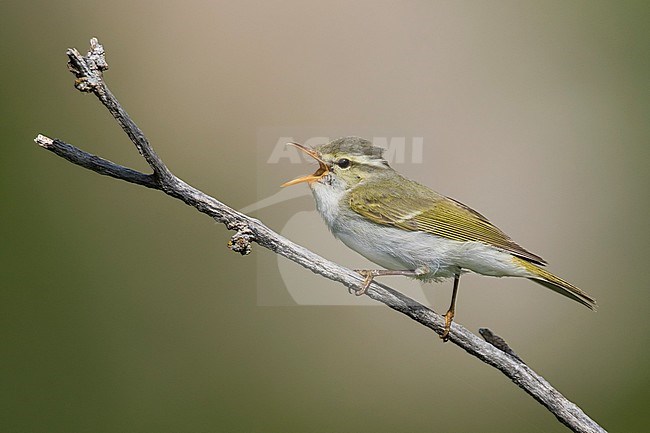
x=121, y=309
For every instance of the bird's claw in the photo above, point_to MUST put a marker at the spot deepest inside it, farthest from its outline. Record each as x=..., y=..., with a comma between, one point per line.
x=449, y=317
x=368, y=275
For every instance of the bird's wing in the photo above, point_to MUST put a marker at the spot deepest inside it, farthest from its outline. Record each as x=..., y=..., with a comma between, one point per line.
x=421, y=209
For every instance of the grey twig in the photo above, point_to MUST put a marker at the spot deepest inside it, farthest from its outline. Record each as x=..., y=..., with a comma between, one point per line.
x=499, y=343
x=89, y=72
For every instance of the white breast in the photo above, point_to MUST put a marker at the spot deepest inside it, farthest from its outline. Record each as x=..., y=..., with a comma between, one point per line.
x=328, y=201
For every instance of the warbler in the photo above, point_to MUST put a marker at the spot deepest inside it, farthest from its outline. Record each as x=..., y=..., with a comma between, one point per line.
x=409, y=229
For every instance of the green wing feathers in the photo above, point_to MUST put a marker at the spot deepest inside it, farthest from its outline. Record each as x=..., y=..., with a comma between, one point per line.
x=422, y=209
x=417, y=208
x=557, y=284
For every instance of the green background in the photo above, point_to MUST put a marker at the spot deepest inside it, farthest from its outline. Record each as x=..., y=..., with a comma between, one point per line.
x=122, y=309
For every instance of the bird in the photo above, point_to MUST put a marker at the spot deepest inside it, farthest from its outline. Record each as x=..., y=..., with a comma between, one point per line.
x=409, y=229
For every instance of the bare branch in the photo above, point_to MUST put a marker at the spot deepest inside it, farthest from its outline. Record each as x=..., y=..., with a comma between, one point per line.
x=499, y=343
x=95, y=163
x=89, y=72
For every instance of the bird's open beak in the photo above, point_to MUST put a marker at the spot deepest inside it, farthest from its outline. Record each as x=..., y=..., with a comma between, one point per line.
x=322, y=167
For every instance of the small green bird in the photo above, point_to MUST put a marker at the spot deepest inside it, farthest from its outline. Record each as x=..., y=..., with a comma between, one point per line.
x=410, y=229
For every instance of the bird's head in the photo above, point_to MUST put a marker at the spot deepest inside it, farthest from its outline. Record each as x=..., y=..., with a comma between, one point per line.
x=344, y=162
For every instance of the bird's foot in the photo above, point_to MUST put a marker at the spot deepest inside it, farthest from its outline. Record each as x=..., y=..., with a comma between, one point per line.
x=449, y=317
x=368, y=275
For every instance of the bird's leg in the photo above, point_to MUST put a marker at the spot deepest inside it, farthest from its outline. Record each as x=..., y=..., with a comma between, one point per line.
x=370, y=274
x=449, y=315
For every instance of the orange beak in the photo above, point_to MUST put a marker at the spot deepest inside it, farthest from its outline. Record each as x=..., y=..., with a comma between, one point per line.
x=322, y=167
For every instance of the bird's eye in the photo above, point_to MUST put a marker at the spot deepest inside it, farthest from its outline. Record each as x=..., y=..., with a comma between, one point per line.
x=343, y=163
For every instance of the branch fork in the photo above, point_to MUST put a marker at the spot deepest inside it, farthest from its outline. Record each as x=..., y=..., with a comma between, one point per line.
x=89, y=73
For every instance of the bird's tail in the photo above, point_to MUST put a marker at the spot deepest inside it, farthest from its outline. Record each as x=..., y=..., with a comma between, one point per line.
x=557, y=284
